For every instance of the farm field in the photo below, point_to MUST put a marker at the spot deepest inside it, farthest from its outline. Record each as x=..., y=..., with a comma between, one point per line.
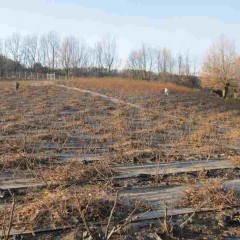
x=117, y=159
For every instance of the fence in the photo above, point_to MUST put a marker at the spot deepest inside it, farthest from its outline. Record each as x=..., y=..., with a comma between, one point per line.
x=28, y=75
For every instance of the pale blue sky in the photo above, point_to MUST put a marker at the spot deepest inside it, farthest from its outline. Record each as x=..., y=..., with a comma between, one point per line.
x=177, y=24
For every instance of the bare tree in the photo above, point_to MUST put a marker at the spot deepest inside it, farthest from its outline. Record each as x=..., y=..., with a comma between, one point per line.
x=43, y=53
x=194, y=65
x=132, y=60
x=220, y=64
x=109, y=53
x=53, y=42
x=186, y=64
x=180, y=64
x=172, y=63
x=30, y=50
x=13, y=46
x=81, y=58
x=141, y=62
x=105, y=53
x=69, y=53
x=49, y=48
x=187, y=69
x=160, y=62
x=132, y=63
x=98, y=56
x=146, y=59
x=165, y=61
x=89, y=60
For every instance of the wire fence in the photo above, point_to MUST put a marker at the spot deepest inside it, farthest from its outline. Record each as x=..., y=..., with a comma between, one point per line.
x=26, y=75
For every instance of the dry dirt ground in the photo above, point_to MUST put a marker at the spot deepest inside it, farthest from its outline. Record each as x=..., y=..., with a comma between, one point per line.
x=62, y=150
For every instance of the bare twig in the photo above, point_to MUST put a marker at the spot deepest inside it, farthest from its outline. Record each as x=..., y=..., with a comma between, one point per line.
x=82, y=214
x=192, y=215
x=111, y=214
x=11, y=218
x=121, y=226
x=165, y=224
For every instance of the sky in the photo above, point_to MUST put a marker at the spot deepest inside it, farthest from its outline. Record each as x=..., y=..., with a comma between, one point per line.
x=181, y=25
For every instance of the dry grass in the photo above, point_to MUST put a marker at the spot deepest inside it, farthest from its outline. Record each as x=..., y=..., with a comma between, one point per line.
x=211, y=195
x=58, y=208
x=78, y=173
x=41, y=125
x=122, y=88
x=188, y=120
x=63, y=207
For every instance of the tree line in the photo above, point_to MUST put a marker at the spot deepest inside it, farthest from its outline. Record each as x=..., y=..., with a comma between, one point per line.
x=71, y=57
x=68, y=55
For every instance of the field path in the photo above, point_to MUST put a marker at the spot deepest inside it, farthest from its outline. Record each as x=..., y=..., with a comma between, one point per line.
x=111, y=99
